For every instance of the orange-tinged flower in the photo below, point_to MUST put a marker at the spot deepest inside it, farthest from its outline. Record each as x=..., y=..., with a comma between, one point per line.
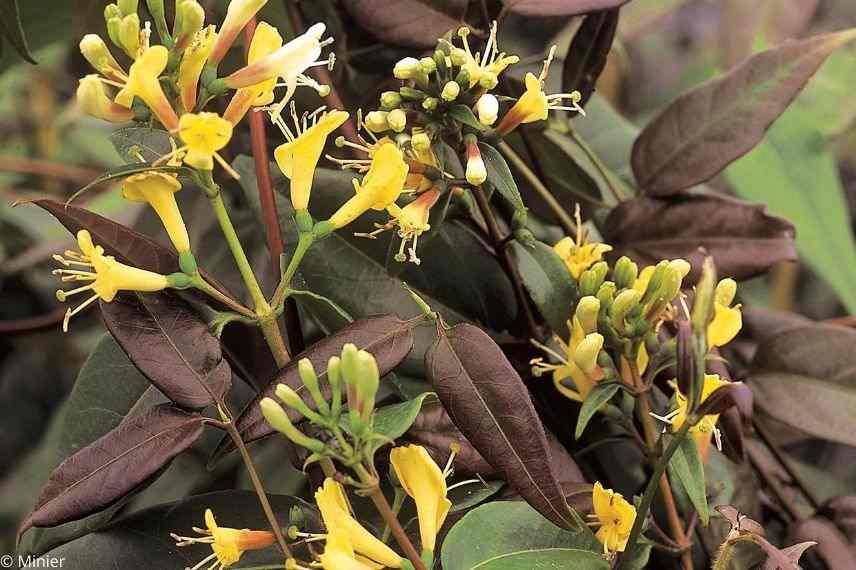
x=227, y=544
x=158, y=190
x=614, y=516
x=266, y=40
x=238, y=14
x=93, y=100
x=143, y=82
x=424, y=482
x=192, y=62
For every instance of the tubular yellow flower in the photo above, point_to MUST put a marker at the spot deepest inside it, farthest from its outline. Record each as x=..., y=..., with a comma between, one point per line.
x=238, y=14
x=534, y=104
x=578, y=360
x=476, y=172
x=105, y=276
x=158, y=190
x=423, y=480
x=289, y=63
x=615, y=517
x=727, y=320
x=204, y=134
x=339, y=554
x=491, y=64
x=333, y=504
x=227, y=544
x=99, y=57
x=266, y=40
x=94, y=101
x=192, y=62
x=411, y=221
x=380, y=187
x=298, y=157
x=143, y=83
x=579, y=255
x=189, y=19
x=703, y=430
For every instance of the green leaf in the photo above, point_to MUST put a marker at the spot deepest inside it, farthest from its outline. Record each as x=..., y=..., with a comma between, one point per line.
x=134, y=142
x=12, y=30
x=468, y=496
x=464, y=115
x=548, y=282
x=597, y=398
x=687, y=468
x=511, y=535
x=392, y=421
x=562, y=160
x=499, y=175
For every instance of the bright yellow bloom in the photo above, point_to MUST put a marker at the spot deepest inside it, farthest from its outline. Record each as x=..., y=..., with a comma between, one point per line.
x=93, y=100
x=339, y=553
x=727, y=320
x=192, y=62
x=534, y=104
x=579, y=255
x=143, y=82
x=411, y=221
x=708, y=423
x=425, y=483
x=615, y=516
x=333, y=504
x=480, y=68
x=105, y=275
x=380, y=187
x=158, y=190
x=298, y=157
x=266, y=40
x=204, y=134
x=228, y=544
x=238, y=14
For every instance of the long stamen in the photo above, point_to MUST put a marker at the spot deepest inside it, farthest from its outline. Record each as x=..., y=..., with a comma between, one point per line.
x=549, y=351
x=63, y=295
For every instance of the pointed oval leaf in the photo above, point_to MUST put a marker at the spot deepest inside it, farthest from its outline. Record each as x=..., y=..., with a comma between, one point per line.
x=687, y=469
x=413, y=23
x=101, y=473
x=705, y=129
x=487, y=400
x=547, y=281
x=393, y=420
x=171, y=345
x=500, y=176
x=560, y=7
x=742, y=237
x=12, y=30
x=597, y=398
x=588, y=53
x=387, y=337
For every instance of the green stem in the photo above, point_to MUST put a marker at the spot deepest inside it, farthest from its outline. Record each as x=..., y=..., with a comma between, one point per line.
x=651, y=492
x=564, y=218
x=202, y=285
x=303, y=244
x=397, y=503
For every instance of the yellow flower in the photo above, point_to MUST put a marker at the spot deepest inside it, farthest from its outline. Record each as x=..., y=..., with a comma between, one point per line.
x=192, y=62
x=238, y=14
x=93, y=100
x=204, y=134
x=266, y=40
x=105, y=275
x=228, y=544
x=298, y=157
x=480, y=68
x=708, y=423
x=143, y=82
x=411, y=221
x=579, y=255
x=96, y=52
x=727, y=320
x=158, y=190
x=333, y=504
x=534, y=104
x=425, y=483
x=380, y=187
x=339, y=554
x=615, y=517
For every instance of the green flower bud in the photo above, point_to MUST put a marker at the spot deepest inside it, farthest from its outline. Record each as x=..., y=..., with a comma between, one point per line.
x=706, y=292
x=114, y=25
x=96, y=52
x=128, y=7
x=451, y=90
x=488, y=80
x=334, y=378
x=397, y=120
x=623, y=303
x=427, y=65
x=606, y=293
x=671, y=285
x=377, y=121
x=458, y=57
x=655, y=282
x=601, y=268
x=112, y=11
x=293, y=400
x=129, y=34
x=625, y=273
x=440, y=61
x=310, y=380
x=586, y=353
x=411, y=94
x=587, y=311
x=463, y=77
x=390, y=100
x=588, y=284
x=367, y=382
x=189, y=19
x=421, y=142
x=430, y=103
x=279, y=420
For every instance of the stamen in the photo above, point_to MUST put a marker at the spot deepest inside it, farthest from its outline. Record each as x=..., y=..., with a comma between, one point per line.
x=547, y=62
x=490, y=47
x=231, y=171
x=549, y=351
x=63, y=295
x=212, y=556
x=400, y=256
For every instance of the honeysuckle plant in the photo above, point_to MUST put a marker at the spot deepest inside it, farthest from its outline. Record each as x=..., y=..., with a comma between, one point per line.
x=435, y=318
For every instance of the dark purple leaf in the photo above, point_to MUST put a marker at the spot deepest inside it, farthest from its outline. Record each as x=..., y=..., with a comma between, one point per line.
x=560, y=7
x=412, y=23
x=588, y=53
x=387, y=337
x=705, y=129
x=832, y=546
x=172, y=346
x=742, y=237
x=487, y=400
x=734, y=395
x=103, y=472
x=842, y=511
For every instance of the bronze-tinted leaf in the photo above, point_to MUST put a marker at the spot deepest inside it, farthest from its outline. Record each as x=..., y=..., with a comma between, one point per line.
x=487, y=400
x=832, y=546
x=560, y=7
x=387, y=337
x=742, y=237
x=172, y=346
x=705, y=129
x=588, y=53
x=412, y=23
x=733, y=395
x=104, y=471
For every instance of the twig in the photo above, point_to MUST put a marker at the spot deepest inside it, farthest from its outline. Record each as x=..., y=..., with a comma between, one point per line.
x=48, y=168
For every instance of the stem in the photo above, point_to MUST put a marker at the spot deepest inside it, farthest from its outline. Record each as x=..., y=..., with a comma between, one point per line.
x=602, y=169
x=257, y=485
x=303, y=244
x=505, y=259
x=389, y=517
x=397, y=503
x=564, y=218
x=202, y=285
x=273, y=336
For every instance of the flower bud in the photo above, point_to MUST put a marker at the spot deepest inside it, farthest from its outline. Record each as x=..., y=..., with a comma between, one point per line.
x=476, y=170
x=334, y=378
x=706, y=292
x=671, y=285
x=589, y=283
x=606, y=294
x=279, y=420
x=292, y=399
x=377, y=121
x=390, y=100
x=189, y=19
x=427, y=65
x=99, y=57
x=238, y=14
x=397, y=120
x=440, y=61
x=458, y=56
x=625, y=273
x=128, y=7
x=463, y=77
x=368, y=382
x=129, y=35
x=625, y=301
x=93, y=100
x=487, y=108
x=310, y=380
x=586, y=312
x=601, y=268
x=488, y=80
x=421, y=142
x=450, y=92
x=412, y=94
x=430, y=103
x=585, y=355
x=656, y=280
x=406, y=68
x=726, y=290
